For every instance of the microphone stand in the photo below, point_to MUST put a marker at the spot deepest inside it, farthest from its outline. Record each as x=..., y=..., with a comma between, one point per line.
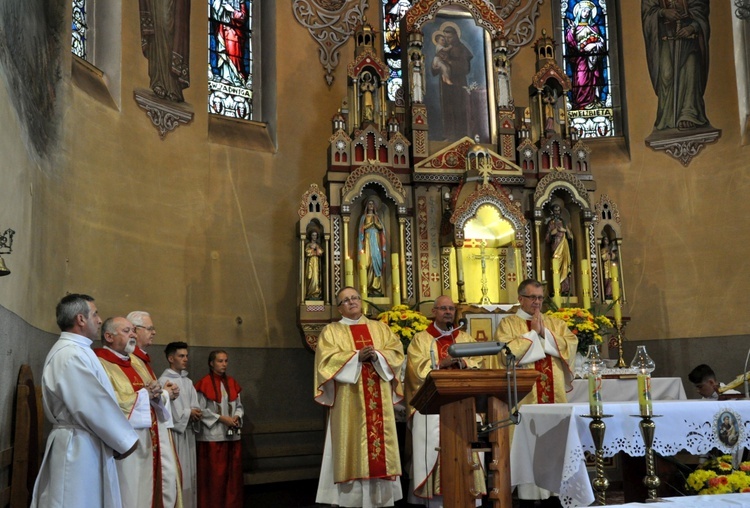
x=514, y=417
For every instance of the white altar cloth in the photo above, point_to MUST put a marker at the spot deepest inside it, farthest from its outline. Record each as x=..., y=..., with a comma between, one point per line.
x=717, y=501
x=549, y=443
x=623, y=390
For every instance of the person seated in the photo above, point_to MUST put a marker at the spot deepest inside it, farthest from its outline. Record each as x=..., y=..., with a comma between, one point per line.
x=706, y=384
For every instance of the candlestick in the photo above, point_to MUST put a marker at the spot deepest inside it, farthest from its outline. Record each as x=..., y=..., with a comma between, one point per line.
x=595, y=393
x=349, y=272
x=617, y=305
x=395, y=279
x=363, y=286
x=586, y=283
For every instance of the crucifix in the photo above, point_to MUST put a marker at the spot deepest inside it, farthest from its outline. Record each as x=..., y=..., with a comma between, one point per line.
x=484, y=257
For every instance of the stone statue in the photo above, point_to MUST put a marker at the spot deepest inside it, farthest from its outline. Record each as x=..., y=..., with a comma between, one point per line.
x=558, y=235
x=313, y=264
x=417, y=81
x=165, y=42
x=608, y=253
x=372, y=248
x=367, y=88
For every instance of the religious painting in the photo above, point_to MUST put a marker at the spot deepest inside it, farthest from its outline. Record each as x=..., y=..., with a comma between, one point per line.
x=727, y=429
x=230, y=70
x=460, y=93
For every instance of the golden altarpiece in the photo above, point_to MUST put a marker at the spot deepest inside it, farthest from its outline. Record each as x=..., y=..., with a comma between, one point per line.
x=452, y=188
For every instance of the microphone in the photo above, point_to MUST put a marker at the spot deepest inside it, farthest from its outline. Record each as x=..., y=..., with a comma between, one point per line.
x=462, y=323
x=476, y=349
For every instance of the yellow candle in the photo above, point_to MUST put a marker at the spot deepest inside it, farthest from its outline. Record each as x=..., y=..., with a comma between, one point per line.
x=595, y=392
x=349, y=272
x=586, y=283
x=556, y=281
x=363, y=280
x=644, y=393
x=617, y=305
x=395, y=279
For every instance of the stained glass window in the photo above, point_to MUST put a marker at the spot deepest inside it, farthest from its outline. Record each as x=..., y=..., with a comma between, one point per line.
x=585, y=27
x=393, y=11
x=80, y=27
x=230, y=68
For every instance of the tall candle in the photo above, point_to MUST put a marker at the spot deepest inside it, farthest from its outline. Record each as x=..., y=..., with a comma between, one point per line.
x=644, y=393
x=617, y=305
x=595, y=392
x=349, y=272
x=363, y=281
x=586, y=283
x=396, y=280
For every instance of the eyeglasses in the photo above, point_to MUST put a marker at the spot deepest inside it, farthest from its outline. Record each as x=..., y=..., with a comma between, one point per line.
x=445, y=308
x=149, y=328
x=534, y=298
x=351, y=299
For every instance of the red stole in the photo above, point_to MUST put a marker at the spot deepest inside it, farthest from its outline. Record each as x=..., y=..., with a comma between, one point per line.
x=209, y=387
x=127, y=368
x=444, y=342
x=545, y=384
x=373, y=406
x=146, y=360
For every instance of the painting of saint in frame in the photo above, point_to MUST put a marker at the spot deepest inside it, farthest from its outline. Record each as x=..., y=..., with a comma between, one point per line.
x=460, y=96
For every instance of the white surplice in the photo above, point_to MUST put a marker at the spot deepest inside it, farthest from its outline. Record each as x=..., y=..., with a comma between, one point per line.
x=79, y=466
x=183, y=432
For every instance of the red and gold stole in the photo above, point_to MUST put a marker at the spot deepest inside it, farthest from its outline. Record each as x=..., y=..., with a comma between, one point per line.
x=545, y=384
x=373, y=406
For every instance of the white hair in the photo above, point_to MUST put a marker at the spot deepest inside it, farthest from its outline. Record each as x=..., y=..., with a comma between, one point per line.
x=136, y=317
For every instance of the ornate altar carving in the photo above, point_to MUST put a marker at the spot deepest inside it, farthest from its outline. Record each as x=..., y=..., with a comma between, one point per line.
x=406, y=218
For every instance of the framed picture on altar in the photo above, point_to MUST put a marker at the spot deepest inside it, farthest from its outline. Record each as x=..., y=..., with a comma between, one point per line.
x=460, y=96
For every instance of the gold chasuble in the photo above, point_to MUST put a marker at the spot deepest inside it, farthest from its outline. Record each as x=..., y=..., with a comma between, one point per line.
x=362, y=422
x=556, y=375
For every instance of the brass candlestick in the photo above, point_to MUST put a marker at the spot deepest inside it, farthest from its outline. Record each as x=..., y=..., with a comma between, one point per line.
x=597, y=427
x=621, y=361
x=651, y=480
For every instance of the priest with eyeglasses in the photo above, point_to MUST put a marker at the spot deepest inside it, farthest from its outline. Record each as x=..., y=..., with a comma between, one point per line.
x=357, y=376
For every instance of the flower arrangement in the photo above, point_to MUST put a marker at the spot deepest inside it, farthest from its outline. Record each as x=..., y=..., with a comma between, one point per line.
x=584, y=325
x=404, y=322
x=717, y=476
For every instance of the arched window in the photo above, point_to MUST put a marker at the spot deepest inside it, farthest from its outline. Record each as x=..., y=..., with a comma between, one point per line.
x=231, y=41
x=587, y=30
x=393, y=12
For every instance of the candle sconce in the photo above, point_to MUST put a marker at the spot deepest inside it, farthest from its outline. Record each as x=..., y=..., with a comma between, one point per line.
x=6, y=247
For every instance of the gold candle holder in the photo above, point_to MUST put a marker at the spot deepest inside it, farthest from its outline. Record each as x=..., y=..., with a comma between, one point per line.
x=651, y=480
x=621, y=361
x=597, y=427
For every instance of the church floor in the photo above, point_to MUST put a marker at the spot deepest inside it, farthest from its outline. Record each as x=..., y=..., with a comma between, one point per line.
x=301, y=494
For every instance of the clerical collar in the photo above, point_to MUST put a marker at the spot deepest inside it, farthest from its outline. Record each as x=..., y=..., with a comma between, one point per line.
x=347, y=321
x=119, y=355
x=442, y=332
x=523, y=314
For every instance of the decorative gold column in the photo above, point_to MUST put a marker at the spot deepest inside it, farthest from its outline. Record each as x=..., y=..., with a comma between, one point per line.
x=538, y=254
x=302, y=268
x=517, y=253
x=345, y=239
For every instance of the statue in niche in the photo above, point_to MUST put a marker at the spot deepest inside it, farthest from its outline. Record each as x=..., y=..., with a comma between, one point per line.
x=372, y=248
x=367, y=89
x=165, y=42
x=676, y=33
x=608, y=254
x=549, y=98
x=417, y=81
x=558, y=236
x=313, y=264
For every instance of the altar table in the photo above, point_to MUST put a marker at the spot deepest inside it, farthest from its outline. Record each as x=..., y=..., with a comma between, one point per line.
x=716, y=501
x=549, y=442
x=623, y=390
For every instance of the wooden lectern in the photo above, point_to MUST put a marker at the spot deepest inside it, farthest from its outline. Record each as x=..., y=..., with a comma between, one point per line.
x=452, y=394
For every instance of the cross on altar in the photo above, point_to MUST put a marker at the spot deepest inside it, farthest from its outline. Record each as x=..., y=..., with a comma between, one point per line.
x=484, y=257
